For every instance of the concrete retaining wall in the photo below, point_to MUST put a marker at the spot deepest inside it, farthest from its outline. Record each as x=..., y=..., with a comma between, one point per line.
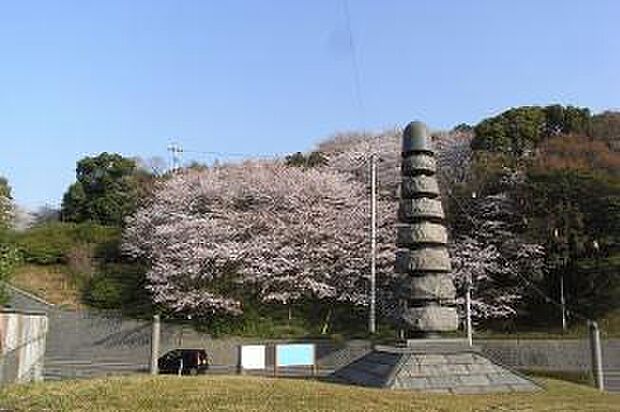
x=224, y=354
x=22, y=346
x=83, y=344
x=550, y=355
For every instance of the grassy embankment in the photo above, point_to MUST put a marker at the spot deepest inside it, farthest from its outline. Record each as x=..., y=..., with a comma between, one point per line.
x=51, y=283
x=234, y=393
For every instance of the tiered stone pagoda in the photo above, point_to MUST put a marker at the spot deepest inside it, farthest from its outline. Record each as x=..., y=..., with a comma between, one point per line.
x=422, y=259
x=427, y=362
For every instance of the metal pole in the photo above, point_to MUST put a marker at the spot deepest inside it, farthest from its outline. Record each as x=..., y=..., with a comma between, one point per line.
x=470, y=339
x=155, y=344
x=468, y=288
x=373, y=243
x=563, y=303
x=175, y=154
x=597, y=357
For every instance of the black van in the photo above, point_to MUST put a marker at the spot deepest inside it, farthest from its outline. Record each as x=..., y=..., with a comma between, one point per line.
x=184, y=361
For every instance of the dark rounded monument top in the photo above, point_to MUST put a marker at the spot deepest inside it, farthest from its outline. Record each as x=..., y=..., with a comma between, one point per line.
x=416, y=138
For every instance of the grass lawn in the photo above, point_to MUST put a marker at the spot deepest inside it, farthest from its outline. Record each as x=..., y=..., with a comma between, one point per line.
x=236, y=393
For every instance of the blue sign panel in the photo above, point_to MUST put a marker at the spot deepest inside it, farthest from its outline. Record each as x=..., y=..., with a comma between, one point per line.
x=295, y=354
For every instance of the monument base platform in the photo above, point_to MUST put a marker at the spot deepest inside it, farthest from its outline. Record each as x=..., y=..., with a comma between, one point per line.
x=432, y=365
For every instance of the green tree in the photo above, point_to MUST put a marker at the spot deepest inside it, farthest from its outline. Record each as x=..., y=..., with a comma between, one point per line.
x=5, y=189
x=74, y=204
x=5, y=204
x=463, y=128
x=606, y=127
x=313, y=159
x=9, y=256
x=576, y=215
x=106, y=190
x=520, y=130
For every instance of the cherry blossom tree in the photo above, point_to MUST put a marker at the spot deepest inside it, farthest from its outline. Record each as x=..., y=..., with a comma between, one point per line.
x=6, y=212
x=9, y=256
x=285, y=232
x=6, y=204
x=491, y=252
x=288, y=233
x=454, y=157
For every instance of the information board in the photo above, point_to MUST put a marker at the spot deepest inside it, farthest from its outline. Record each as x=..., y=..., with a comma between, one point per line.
x=295, y=354
x=253, y=357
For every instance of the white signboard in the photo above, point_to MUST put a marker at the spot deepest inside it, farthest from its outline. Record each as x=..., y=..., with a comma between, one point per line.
x=253, y=357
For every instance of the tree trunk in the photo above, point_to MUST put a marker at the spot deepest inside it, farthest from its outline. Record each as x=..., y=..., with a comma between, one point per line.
x=290, y=314
x=326, y=322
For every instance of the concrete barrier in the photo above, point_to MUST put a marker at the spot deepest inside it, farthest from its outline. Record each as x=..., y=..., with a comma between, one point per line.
x=22, y=346
x=550, y=355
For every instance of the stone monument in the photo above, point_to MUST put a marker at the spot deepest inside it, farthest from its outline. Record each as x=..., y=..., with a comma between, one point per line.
x=426, y=361
x=422, y=260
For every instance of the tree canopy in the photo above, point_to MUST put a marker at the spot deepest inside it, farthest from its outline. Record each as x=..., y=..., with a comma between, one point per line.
x=8, y=254
x=106, y=190
x=573, y=200
x=284, y=233
x=569, y=197
x=5, y=204
x=606, y=127
x=519, y=130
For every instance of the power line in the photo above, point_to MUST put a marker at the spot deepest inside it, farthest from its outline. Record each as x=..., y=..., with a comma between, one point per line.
x=354, y=64
x=176, y=152
x=237, y=154
x=214, y=153
x=505, y=261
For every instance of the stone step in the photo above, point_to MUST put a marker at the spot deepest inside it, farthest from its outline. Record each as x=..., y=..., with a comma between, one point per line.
x=449, y=372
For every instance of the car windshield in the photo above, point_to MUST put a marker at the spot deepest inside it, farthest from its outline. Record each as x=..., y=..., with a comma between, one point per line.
x=171, y=355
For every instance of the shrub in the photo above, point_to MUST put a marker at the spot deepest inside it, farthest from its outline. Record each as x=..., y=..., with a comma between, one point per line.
x=104, y=292
x=118, y=286
x=55, y=242
x=80, y=260
x=9, y=257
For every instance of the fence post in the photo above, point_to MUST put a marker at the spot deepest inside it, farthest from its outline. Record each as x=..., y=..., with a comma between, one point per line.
x=597, y=358
x=240, y=359
x=155, y=344
x=468, y=326
x=275, y=360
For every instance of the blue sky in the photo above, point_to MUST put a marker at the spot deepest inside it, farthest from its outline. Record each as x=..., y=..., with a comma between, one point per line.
x=81, y=77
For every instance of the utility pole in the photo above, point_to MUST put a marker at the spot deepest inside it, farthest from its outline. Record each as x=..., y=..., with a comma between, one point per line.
x=563, y=303
x=563, y=261
x=468, y=288
x=175, y=156
x=597, y=356
x=372, y=322
x=155, y=338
